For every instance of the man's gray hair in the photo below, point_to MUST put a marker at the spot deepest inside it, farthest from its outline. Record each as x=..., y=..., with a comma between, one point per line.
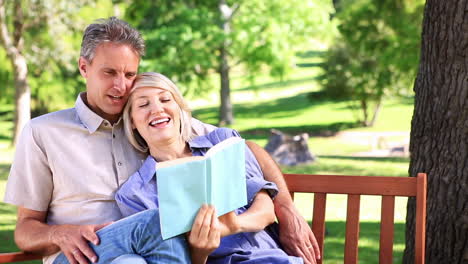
x=110, y=30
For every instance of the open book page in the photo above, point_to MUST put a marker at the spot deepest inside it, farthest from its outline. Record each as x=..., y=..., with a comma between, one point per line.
x=223, y=144
x=218, y=179
x=228, y=181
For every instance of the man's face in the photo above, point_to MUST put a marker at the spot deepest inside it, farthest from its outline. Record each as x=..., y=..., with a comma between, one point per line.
x=109, y=77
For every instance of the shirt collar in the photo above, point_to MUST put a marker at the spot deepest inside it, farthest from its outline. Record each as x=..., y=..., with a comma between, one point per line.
x=200, y=142
x=148, y=169
x=88, y=117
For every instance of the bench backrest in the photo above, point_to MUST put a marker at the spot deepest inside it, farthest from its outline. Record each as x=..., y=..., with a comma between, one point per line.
x=354, y=187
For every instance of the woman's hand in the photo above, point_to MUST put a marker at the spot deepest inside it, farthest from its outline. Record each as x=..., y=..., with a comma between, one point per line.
x=205, y=235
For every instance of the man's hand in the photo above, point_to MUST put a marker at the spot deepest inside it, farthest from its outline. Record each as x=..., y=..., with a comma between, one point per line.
x=33, y=234
x=73, y=241
x=296, y=236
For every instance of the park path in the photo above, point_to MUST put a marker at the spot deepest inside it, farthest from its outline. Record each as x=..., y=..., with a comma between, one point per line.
x=381, y=143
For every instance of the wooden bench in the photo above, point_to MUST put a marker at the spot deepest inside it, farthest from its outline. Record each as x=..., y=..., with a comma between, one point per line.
x=354, y=187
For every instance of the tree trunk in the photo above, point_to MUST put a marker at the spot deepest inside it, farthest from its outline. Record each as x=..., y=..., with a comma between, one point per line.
x=365, y=115
x=13, y=46
x=376, y=112
x=22, y=95
x=225, y=110
x=439, y=144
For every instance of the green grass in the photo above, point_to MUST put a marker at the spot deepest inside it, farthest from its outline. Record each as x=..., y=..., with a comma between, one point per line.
x=368, y=242
x=296, y=114
x=367, y=166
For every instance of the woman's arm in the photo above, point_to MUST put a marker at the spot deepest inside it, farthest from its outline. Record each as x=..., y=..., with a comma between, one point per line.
x=259, y=215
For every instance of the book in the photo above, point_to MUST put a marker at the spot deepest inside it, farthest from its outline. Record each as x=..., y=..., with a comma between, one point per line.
x=218, y=178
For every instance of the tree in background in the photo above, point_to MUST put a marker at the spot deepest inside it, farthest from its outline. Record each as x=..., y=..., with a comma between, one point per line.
x=376, y=53
x=190, y=40
x=41, y=41
x=439, y=129
x=14, y=46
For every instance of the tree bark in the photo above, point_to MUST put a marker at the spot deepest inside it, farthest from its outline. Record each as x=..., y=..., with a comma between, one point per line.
x=225, y=111
x=13, y=47
x=365, y=115
x=376, y=112
x=439, y=143
x=226, y=116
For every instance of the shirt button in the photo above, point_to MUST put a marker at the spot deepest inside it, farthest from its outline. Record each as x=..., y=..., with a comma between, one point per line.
x=119, y=163
x=113, y=135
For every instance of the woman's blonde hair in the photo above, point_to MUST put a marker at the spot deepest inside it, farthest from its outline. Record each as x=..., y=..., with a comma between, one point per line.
x=156, y=80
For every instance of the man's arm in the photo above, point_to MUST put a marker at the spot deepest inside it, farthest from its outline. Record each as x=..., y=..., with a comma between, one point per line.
x=295, y=234
x=33, y=235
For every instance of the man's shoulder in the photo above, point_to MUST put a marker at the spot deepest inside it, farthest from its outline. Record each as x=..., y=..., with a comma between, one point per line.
x=220, y=134
x=55, y=118
x=200, y=128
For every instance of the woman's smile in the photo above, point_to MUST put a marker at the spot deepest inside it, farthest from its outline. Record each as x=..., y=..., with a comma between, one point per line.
x=160, y=122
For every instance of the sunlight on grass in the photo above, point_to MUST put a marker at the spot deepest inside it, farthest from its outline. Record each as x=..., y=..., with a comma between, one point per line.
x=296, y=114
x=321, y=146
x=264, y=88
x=336, y=207
x=354, y=166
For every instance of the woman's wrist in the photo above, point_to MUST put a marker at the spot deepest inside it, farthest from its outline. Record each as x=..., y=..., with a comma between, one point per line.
x=198, y=257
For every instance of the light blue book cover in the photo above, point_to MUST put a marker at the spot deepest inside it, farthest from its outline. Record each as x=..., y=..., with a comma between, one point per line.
x=185, y=184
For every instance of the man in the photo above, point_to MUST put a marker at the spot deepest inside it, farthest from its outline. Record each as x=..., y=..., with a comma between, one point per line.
x=68, y=165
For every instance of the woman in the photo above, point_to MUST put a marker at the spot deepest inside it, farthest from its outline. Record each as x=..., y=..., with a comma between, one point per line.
x=157, y=121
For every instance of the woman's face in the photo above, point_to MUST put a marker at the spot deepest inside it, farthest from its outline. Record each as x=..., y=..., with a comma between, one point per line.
x=156, y=115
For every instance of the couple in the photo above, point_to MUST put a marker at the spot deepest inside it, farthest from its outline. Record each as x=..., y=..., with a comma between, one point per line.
x=69, y=165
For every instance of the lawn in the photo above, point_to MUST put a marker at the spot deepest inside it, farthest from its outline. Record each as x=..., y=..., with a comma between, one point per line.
x=284, y=105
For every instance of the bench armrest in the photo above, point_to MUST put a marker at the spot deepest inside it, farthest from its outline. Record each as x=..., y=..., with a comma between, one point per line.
x=17, y=256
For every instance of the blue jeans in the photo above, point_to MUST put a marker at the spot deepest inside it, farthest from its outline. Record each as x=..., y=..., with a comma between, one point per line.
x=129, y=258
x=138, y=234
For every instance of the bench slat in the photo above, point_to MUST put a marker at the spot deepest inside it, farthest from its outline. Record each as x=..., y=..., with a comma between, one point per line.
x=352, y=229
x=420, y=240
x=318, y=220
x=387, y=229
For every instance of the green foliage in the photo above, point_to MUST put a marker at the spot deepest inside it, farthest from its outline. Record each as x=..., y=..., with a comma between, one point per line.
x=177, y=39
x=184, y=38
x=6, y=78
x=377, y=52
x=52, y=37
